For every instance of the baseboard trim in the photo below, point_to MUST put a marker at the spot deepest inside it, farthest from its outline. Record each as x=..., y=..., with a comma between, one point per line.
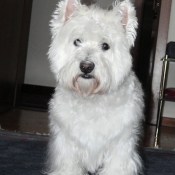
x=36, y=89
x=35, y=97
x=166, y=121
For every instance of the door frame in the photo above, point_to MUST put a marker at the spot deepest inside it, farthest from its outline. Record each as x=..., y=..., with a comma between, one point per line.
x=23, y=47
x=158, y=52
x=15, y=26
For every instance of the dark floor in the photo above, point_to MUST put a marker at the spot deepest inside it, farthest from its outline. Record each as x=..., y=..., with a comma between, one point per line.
x=29, y=121
x=22, y=120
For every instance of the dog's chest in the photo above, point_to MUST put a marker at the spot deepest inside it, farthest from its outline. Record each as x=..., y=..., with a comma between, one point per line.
x=91, y=122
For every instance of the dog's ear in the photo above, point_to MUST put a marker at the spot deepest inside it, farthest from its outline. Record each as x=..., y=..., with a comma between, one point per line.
x=128, y=19
x=64, y=10
x=70, y=7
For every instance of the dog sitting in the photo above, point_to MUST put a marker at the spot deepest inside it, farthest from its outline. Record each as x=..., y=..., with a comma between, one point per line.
x=96, y=110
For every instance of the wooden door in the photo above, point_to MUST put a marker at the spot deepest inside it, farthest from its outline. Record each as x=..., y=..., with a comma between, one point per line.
x=14, y=30
x=154, y=34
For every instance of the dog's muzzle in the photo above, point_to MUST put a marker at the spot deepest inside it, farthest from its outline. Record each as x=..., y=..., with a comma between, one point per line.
x=86, y=68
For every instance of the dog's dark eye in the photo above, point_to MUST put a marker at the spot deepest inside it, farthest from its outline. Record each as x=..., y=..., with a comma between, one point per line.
x=105, y=46
x=77, y=42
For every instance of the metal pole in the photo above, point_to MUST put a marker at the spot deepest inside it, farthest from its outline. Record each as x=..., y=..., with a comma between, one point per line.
x=161, y=95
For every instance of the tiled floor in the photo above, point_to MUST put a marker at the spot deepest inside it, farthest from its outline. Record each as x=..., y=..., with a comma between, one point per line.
x=36, y=122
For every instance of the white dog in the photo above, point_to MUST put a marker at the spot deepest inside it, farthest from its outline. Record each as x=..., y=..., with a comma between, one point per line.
x=96, y=111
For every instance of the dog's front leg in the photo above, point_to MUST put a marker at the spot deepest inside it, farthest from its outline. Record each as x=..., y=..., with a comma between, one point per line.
x=122, y=159
x=63, y=158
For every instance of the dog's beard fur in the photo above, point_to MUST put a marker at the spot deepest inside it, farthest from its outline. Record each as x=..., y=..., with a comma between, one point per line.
x=85, y=87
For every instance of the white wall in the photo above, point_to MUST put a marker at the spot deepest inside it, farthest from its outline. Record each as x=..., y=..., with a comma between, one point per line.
x=37, y=66
x=169, y=108
x=104, y=3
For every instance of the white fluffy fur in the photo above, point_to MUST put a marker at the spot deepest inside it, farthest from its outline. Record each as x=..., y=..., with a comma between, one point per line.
x=94, y=123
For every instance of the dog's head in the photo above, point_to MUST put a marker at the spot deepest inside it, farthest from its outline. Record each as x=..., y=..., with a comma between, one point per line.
x=90, y=49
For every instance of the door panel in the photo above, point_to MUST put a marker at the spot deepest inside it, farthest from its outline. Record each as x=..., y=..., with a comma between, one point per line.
x=11, y=24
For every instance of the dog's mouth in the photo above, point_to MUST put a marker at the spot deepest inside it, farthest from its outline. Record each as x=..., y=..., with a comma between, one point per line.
x=86, y=76
x=85, y=84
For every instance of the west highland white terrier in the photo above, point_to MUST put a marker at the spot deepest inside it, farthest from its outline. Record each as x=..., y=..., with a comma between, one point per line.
x=96, y=110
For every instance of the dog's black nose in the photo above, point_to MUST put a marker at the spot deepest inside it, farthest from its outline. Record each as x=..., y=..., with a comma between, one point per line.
x=87, y=66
